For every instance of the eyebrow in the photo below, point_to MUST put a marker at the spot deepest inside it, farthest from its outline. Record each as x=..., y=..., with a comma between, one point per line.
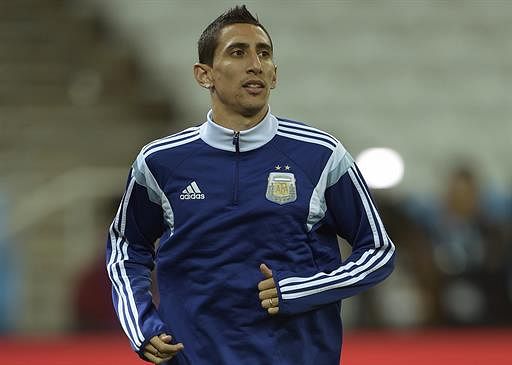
x=243, y=45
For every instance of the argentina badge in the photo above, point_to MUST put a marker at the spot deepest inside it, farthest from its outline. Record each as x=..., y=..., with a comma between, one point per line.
x=281, y=187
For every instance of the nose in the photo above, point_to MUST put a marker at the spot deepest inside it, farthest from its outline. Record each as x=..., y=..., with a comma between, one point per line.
x=254, y=65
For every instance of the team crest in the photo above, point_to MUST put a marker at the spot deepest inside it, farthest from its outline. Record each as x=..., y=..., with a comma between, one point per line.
x=281, y=187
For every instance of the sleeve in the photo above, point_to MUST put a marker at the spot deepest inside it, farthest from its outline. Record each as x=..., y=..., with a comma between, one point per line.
x=130, y=258
x=341, y=195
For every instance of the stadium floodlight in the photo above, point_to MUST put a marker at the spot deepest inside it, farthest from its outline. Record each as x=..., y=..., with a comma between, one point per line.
x=381, y=167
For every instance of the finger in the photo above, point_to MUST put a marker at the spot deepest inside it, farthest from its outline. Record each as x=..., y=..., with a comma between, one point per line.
x=154, y=359
x=269, y=303
x=166, y=348
x=171, y=349
x=272, y=311
x=265, y=270
x=165, y=337
x=266, y=284
x=151, y=349
x=269, y=293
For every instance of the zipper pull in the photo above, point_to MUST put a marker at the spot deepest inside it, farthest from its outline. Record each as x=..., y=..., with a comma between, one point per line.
x=236, y=141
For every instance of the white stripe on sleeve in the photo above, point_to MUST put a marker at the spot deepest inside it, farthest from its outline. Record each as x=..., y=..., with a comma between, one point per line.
x=126, y=304
x=116, y=284
x=343, y=283
x=367, y=208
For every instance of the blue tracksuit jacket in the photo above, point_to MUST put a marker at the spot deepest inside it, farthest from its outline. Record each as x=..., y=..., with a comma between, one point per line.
x=221, y=204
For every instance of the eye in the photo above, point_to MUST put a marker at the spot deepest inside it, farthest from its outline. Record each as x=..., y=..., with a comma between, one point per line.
x=237, y=52
x=264, y=53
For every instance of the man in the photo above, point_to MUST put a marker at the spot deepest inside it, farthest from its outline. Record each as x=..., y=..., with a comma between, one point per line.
x=247, y=207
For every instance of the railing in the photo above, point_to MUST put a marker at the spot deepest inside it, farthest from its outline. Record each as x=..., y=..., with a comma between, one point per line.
x=65, y=191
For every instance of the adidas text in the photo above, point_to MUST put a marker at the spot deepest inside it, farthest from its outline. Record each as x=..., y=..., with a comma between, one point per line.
x=193, y=196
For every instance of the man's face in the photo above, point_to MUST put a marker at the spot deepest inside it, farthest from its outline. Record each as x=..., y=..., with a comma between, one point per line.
x=243, y=70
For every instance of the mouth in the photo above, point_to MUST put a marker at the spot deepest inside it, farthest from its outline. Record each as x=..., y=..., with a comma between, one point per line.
x=254, y=86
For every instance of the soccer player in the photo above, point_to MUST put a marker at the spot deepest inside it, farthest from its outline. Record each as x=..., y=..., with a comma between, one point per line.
x=247, y=207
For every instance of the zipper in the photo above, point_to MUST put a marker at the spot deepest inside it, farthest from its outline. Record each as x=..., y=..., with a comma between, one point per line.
x=236, y=143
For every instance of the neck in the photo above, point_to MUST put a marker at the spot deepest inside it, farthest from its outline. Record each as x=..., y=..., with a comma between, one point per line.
x=236, y=121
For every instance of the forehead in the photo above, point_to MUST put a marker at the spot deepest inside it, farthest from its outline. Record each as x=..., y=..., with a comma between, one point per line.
x=241, y=33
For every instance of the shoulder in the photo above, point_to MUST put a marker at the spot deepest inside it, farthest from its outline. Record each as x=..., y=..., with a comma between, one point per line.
x=317, y=152
x=304, y=133
x=167, y=151
x=171, y=142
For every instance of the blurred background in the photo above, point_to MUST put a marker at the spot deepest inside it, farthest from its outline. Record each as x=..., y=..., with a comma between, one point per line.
x=420, y=92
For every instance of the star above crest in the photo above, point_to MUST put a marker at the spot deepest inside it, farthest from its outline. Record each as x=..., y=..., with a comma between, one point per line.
x=285, y=167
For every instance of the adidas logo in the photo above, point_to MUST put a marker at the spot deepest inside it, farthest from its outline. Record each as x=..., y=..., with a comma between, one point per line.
x=192, y=192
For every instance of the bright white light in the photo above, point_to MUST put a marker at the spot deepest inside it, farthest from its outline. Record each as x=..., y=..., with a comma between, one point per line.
x=382, y=168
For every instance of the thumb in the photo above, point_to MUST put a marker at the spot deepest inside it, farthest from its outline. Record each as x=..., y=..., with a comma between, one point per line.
x=265, y=270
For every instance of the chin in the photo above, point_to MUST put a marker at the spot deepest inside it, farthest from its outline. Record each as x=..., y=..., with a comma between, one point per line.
x=252, y=109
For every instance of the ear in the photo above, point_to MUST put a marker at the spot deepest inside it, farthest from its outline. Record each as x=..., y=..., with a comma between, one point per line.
x=274, y=78
x=202, y=74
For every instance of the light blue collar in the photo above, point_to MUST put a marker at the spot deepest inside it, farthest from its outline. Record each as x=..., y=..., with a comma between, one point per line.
x=222, y=138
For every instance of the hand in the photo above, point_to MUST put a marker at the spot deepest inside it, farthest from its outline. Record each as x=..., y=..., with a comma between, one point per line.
x=268, y=291
x=159, y=349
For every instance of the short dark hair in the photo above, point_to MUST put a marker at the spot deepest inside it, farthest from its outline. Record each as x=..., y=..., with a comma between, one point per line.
x=208, y=41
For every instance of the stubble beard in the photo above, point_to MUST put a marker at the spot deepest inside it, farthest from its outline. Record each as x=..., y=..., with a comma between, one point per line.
x=246, y=108
x=250, y=108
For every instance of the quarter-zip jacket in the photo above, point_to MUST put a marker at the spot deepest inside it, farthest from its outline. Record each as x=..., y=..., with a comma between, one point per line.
x=222, y=203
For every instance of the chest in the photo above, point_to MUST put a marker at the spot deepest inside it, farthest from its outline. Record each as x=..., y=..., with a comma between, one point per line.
x=257, y=184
